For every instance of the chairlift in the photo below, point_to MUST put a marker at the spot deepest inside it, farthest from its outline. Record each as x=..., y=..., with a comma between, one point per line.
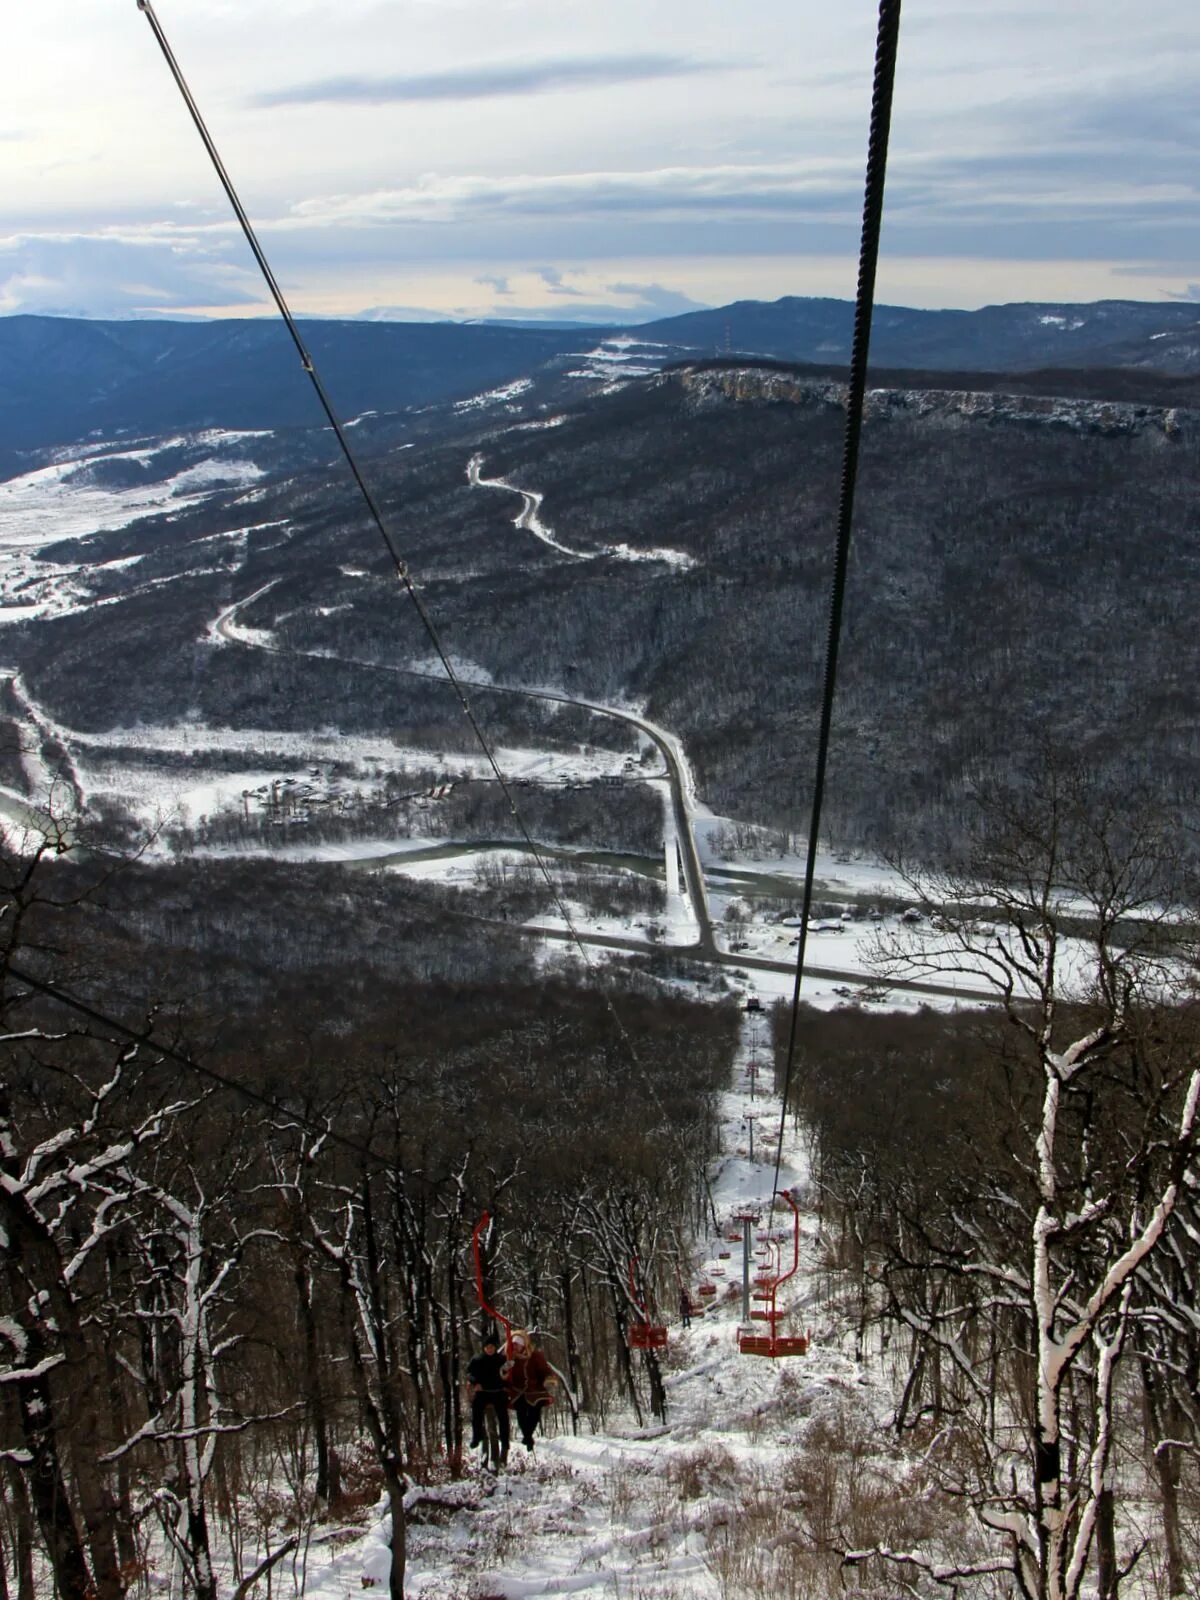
x=480, y=1229
x=643, y=1334
x=773, y=1343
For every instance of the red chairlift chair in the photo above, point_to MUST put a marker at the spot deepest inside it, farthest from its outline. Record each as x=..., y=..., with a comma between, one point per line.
x=490, y=1311
x=773, y=1343
x=643, y=1334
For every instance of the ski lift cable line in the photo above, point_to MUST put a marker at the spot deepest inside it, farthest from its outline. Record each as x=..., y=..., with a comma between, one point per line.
x=400, y=566
x=887, y=39
x=219, y=1079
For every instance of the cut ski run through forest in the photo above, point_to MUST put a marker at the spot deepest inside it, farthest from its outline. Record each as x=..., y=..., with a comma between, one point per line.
x=702, y=1503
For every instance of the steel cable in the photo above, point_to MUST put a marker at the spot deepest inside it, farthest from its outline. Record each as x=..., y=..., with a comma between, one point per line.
x=398, y=563
x=887, y=39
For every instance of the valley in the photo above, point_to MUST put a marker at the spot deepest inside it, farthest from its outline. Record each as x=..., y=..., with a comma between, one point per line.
x=323, y=796
x=552, y=981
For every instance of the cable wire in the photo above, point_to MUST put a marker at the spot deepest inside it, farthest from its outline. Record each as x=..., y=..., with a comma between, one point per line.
x=398, y=563
x=145, y=1036
x=887, y=39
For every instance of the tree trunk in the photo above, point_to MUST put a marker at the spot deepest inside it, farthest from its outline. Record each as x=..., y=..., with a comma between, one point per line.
x=1161, y=1417
x=118, y=1410
x=1107, y=1578
x=312, y=1376
x=569, y=1339
x=21, y=1523
x=658, y=1393
x=395, y=1492
x=48, y=1492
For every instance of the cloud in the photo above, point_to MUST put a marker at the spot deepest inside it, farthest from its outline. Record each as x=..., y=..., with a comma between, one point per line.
x=81, y=275
x=1191, y=293
x=494, y=281
x=632, y=303
x=555, y=282
x=395, y=314
x=490, y=81
x=728, y=190
x=655, y=300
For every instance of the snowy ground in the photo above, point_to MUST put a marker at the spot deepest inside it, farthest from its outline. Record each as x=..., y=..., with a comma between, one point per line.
x=643, y=1510
x=614, y=361
x=70, y=500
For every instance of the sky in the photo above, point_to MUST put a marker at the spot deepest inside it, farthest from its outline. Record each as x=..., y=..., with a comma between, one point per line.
x=555, y=160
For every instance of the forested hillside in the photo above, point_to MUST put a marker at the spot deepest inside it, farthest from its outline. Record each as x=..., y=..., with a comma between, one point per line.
x=190, y=1265
x=1021, y=571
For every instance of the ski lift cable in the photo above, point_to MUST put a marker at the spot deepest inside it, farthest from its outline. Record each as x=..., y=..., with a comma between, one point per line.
x=221, y=1080
x=887, y=38
x=400, y=566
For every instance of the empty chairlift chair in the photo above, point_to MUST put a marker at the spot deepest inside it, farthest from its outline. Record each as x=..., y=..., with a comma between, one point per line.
x=643, y=1334
x=774, y=1343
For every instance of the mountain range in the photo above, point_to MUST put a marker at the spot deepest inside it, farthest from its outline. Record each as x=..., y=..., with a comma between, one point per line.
x=1023, y=572
x=63, y=379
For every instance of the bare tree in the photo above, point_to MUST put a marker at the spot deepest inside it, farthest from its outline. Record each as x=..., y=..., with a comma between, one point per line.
x=192, y=1248
x=1063, y=907
x=65, y=1187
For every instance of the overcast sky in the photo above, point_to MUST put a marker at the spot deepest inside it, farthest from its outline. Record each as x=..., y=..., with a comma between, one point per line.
x=551, y=158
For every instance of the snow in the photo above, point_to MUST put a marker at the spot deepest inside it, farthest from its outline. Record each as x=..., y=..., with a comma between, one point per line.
x=614, y=361
x=52, y=498
x=56, y=502
x=132, y=769
x=465, y=671
x=508, y=391
x=543, y=422
x=629, y=1509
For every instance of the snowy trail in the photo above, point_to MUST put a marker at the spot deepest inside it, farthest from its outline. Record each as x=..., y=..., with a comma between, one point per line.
x=629, y=1509
x=529, y=520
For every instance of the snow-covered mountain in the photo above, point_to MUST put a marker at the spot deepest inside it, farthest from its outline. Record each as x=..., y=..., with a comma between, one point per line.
x=63, y=379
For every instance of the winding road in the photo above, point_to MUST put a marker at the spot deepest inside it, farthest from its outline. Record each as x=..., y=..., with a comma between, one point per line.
x=705, y=947
x=225, y=627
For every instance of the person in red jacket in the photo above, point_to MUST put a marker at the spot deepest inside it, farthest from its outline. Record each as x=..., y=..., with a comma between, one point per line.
x=530, y=1381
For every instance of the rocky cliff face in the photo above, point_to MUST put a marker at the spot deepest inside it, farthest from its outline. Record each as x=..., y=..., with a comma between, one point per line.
x=705, y=388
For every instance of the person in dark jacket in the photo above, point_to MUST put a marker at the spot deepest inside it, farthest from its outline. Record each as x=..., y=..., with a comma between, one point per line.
x=530, y=1379
x=485, y=1374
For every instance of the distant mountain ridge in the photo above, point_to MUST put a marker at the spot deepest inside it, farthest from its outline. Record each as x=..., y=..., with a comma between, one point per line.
x=1007, y=338
x=62, y=379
